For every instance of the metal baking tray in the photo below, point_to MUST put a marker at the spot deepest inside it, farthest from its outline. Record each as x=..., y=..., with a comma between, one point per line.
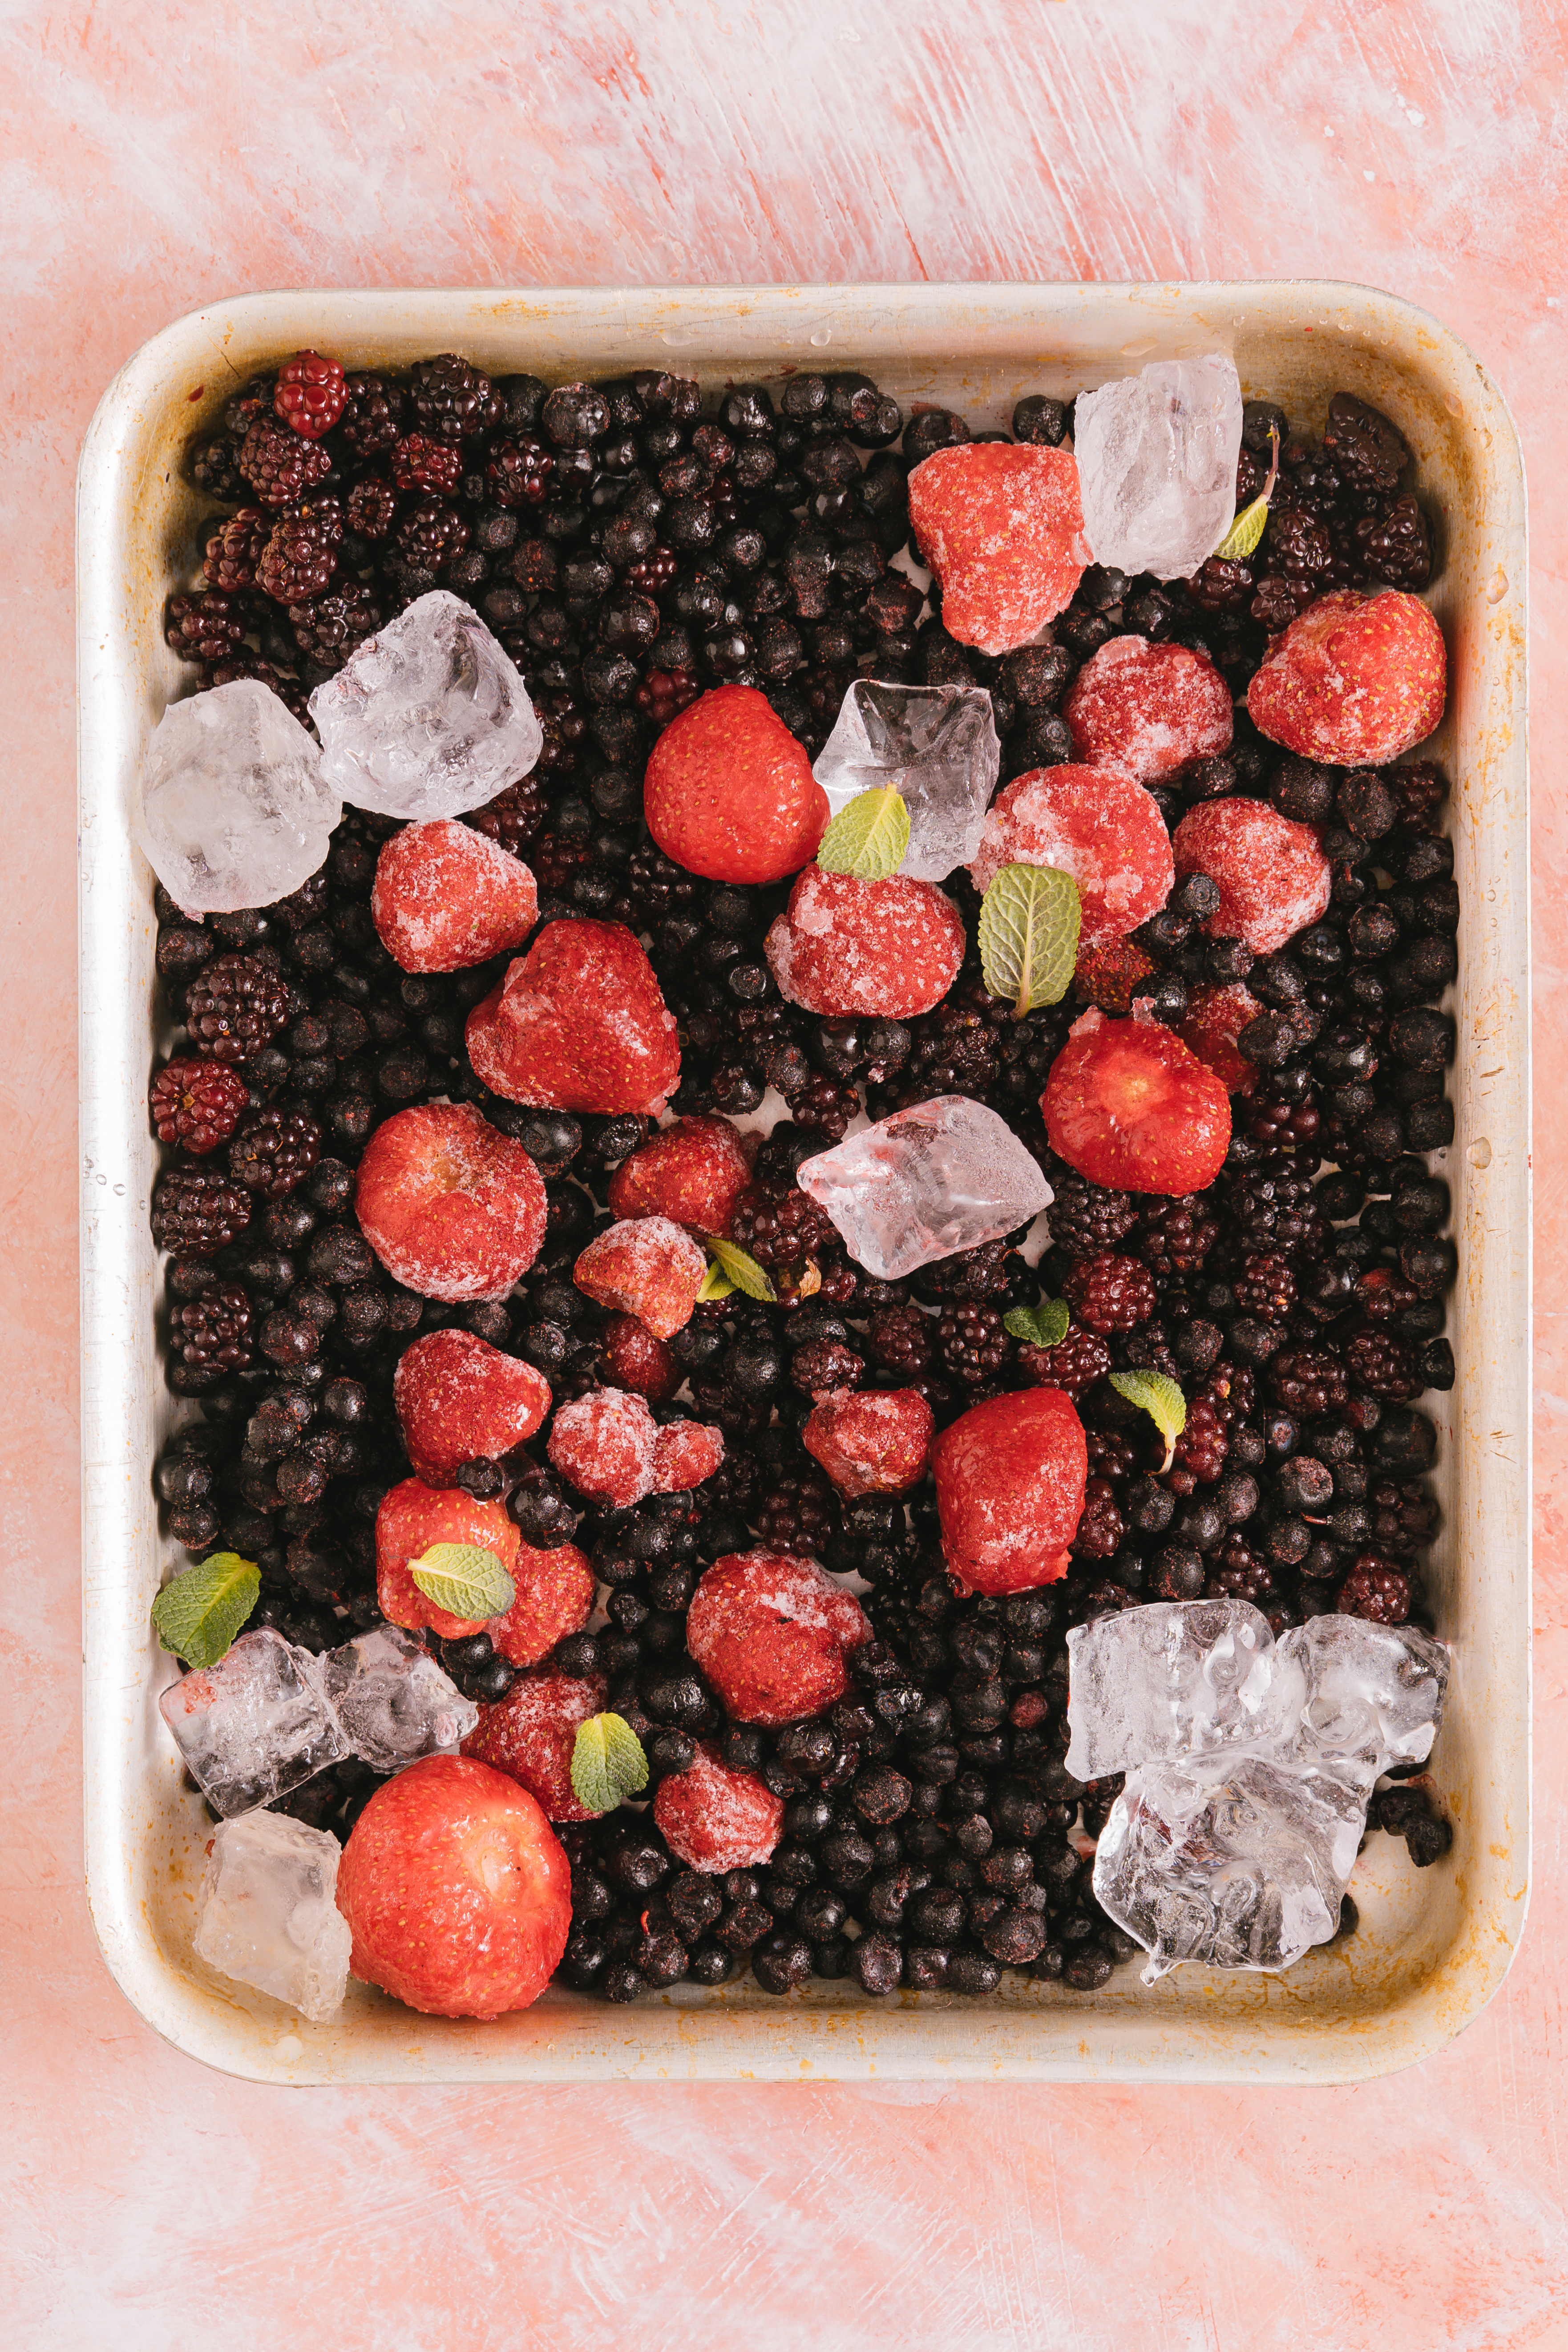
x=1434, y=1946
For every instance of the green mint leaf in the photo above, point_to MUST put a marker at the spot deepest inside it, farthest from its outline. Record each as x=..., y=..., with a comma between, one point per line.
x=464, y=1580
x=1161, y=1398
x=199, y=1612
x=1029, y=922
x=716, y=1282
x=1246, y=528
x=1044, y=1326
x=868, y=839
x=743, y=1269
x=607, y=1763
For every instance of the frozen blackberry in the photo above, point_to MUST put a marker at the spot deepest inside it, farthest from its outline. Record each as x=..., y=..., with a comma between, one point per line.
x=1073, y=1365
x=234, y=1007
x=274, y=1150
x=1377, y=1589
x=298, y=562
x=336, y=625
x=372, y=420
x=798, y=1514
x=1384, y=1366
x=1265, y=1287
x=1109, y=1293
x=514, y=817
x=427, y=537
x=235, y=550
x=901, y=1340
x=518, y=473
x=1174, y=1235
x=1367, y=447
x=1309, y=1382
x=207, y=628
x=196, y=1212
x=450, y=399
x=370, y=508
x=418, y=463
x=972, y=1344
x=1276, y=1209
x=196, y=1103
x=1086, y=1219
x=280, y=466
x=212, y=1330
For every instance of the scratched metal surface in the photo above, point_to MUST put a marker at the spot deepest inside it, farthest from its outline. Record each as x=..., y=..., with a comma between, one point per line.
x=158, y=158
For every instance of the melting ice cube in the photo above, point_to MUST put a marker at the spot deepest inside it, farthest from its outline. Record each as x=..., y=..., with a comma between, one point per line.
x=267, y=1914
x=232, y=806
x=256, y=1724
x=1156, y=465
x=392, y=1700
x=1357, y=1697
x=1177, y=1677
x=937, y=746
x=940, y=1177
x=428, y=717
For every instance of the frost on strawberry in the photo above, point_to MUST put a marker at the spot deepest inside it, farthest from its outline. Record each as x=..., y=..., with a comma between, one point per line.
x=772, y=1634
x=1010, y=1477
x=1148, y=709
x=728, y=791
x=446, y=896
x=872, y=1441
x=714, y=1819
x=451, y=1207
x=529, y=1735
x=459, y=1400
x=411, y=1520
x=693, y=1172
x=1095, y=824
x=1002, y=528
x=579, y=1023
x=1273, y=878
x=887, y=950
x=647, y=1267
x=1354, y=682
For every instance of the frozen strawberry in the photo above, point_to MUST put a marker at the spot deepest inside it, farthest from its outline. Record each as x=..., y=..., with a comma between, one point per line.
x=1107, y=975
x=1010, y=1477
x=771, y=1634
x=714, y=1819
x=872, y=1441
x=459, y=1400
x=1096, y=824
x=647, y=1267
x=1128, y=1106
x=728, y=793
x=633, y=1358
x=530, y=1736
x=604, y=1444
x=1273, y=878
x=693, y=1173
x=446, y=897
x=457, y=1889
x=684, y=1454
x=1002, y=528
x=1355, y=681
x=451, y=1207
x=1215, y=1018
x=889, y=950
x=413, y=1518
x=555, y=1597
x=1148, y=709
x=579, y=1024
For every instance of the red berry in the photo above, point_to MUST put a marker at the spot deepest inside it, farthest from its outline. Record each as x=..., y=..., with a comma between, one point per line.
x=1109, y=1293
x=604, y=1444
x=310, y=394
x=1148, y=709
x=1128, y=1106
x=633, y=1358
x=647, y=1267
x=412, y=1518
x=1272, y=878
x=446, y=897
x=771, y=1634
x=1095, y=824
x=728, y=793
x=1376, y=1589
x=1108, y=975
x=1355, y=681
x=530, y=1736
x=1002, y=528
x=693, y=1172
x=714, y=1819
x=578, y=1024
x=887, y=950
x=197, y=1103
x=555, y=1593
x=459, y=1400
x=451, y=1207
x=875, y=1443
x=457, y=1889
x=1215, y=1018
x=685, y=1453
x=1010, y=1477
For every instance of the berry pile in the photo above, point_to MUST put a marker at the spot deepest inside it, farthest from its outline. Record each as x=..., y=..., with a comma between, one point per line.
x=687, y=593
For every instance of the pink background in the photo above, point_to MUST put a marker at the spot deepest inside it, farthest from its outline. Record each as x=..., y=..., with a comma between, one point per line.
x=154, y=157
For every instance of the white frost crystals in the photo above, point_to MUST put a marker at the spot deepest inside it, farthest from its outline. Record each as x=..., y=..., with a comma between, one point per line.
x=1156, y=465
x=231, y=807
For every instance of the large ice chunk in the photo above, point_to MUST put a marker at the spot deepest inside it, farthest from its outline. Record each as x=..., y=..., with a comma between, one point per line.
x=232, y=807
x=256, y=1724
x=942, y=1176
x=1177, y=1677
x=1156, y=465
x=392, y=1700
x=937, y=746
x=428, y=717
x=1356, y=1697
x=267, y=1914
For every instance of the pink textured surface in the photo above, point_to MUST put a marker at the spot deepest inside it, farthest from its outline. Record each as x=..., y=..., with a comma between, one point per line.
x=159, y=157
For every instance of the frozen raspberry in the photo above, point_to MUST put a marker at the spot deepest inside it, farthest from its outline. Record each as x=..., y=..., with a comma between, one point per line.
x=713, y=1819
x=647, y=1267
x=530, y=1736
x=693, y=1172
x=555, y=1593
x=1128, y=1105
x=1377, y=1589
x=457, y=1889
x=420, y=464
x=451, y=1207
x=1010, y=1477
x=771, y=1634
x=1272, y=878
x=1148, y=709
x=446, y=897
x=459, y=1400
x=728, y=793
x=578, y=1024
x=1096, y=824
x=1110, y=1293
x=1355, y=681
x=603, y=1442
x=1074, y=1364
x=633, y=1358
x=412, y=1518
x=1002, y=528
x=1107, y=975
x=197, y=1103
x=1215, y=1018
x=309, y=395
x=871, y=1442
x=887, y=950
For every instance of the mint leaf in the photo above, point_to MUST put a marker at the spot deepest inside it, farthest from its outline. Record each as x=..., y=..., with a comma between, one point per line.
x=716, y=1282
x=1246, y=528
x=1161, y=1398
x=743, y=1269
x=199, y=1612
x=464, y=1580
x=868, y=839
x=607, y=1763
x=1029, y=922
x=1044, y=1326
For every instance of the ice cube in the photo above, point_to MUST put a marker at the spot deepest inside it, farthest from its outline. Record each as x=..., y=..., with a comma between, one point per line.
x=232, y=808
x=256, y=1724
x=1235, y=1859
x=1156, y=465
x=937, y=746
x=1173, y=1678
x=1355, y=1698
x=267, y=1914
x=392, y=1700
x=428, y=717
x=942, y=1176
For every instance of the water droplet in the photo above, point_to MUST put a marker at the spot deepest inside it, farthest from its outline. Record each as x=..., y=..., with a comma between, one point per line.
x=1497, y=586
x=822, y=338
x=1480, y=1152
x=1454, y=404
